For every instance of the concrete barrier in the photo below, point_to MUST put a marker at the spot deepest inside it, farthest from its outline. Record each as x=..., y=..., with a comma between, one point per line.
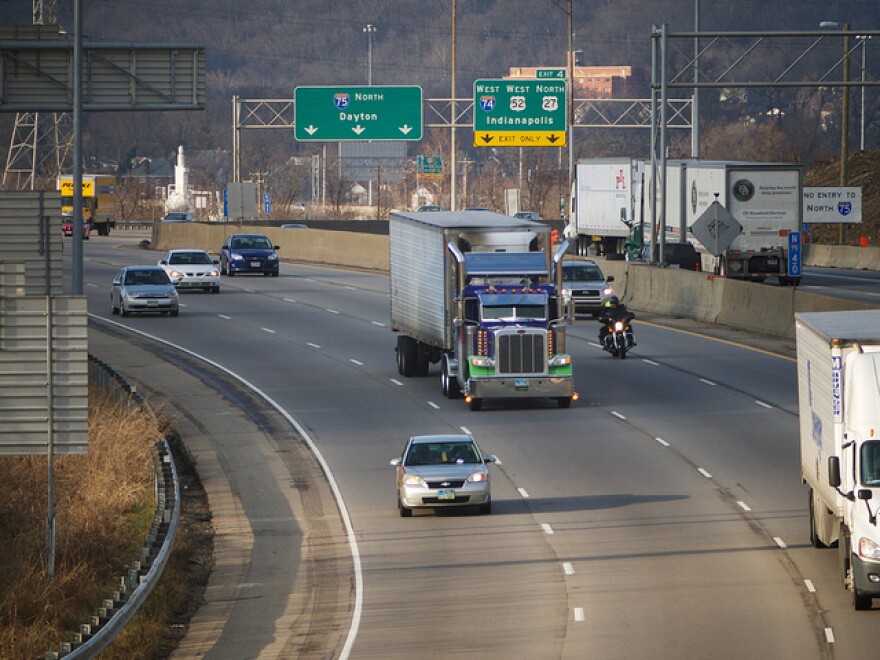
x=842, y=256
x=667, y=291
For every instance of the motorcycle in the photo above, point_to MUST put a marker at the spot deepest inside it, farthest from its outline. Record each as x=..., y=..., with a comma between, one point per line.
x=618, y=339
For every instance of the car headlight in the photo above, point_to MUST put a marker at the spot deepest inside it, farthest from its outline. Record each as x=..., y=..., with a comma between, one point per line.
x=607, y=291
x=868, y=549
x=477, y=477
x=214, y=273
x=236, y=257
x=560, y=361
x=272, y=257
x=413, y=480
x=482, y=361
x=175, y=275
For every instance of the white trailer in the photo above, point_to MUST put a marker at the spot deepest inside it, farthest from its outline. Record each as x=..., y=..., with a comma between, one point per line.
x=838, y=356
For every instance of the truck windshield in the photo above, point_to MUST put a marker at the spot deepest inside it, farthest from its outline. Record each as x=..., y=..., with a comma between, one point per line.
x=870, y=464
x=510, y=313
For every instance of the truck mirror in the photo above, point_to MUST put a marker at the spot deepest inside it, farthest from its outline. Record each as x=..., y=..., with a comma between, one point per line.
x=865, y=494
x=834, y=471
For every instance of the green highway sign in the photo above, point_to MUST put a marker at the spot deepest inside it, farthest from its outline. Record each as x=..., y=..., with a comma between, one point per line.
x=550, y=73
x=519, y=113
x=341, y=113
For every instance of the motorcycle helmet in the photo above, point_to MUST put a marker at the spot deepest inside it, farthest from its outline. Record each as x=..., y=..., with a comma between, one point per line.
x=613, y=301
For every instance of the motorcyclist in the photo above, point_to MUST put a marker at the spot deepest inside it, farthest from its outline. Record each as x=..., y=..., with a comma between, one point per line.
x=614, y=311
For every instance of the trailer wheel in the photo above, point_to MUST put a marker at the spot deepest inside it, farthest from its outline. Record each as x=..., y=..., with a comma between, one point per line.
x=423, y=361
x=406, y=355
x=814, y=535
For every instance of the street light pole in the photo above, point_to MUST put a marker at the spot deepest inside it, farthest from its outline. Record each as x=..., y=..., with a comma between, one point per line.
x=864, y=39
x=844, y=118
x=370, y=29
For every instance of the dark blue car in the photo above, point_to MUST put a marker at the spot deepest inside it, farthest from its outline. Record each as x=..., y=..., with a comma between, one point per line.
x=248, y=253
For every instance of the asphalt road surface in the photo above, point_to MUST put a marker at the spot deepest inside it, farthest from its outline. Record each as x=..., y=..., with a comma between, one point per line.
x=661, y=516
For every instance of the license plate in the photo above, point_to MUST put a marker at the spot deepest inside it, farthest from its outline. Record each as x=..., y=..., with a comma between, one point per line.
x=152, y=303
x=445, y=494
x=255, y=264
x=521, y=384
x=674, y=265
x=772, y=262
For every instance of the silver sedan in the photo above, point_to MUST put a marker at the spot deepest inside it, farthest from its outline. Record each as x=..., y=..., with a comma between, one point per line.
x=143, y=289
x=443, y=471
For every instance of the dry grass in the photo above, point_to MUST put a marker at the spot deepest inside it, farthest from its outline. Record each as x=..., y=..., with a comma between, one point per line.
x=104, y=506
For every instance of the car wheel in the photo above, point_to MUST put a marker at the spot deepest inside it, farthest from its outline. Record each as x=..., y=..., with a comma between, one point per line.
x=229, y=271
x=404, y=512
x=486, y=509
x=124, y=311
x=275, y=274
x=175, y=312
x=216, y=289
x=266, y=274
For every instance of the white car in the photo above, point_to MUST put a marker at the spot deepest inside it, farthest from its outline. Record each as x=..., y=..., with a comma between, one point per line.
x=192, y=269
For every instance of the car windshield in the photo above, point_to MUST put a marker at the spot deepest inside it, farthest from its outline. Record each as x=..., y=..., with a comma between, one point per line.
x=435, y=453
x=146, y=277
x=252, y=242
x=189, y=258
x=582, y=273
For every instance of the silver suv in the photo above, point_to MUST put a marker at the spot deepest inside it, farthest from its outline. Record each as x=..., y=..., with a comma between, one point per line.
x=587, y=285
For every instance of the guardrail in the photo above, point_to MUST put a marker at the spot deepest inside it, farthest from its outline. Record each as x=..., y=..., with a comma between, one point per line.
x=144, y=572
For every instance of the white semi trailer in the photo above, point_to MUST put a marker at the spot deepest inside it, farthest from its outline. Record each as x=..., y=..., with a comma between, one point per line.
x=838, y=355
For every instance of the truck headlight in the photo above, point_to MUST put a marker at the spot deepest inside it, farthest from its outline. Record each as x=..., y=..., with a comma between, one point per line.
x=560, y=361
x=868, y=549
x=482, y=362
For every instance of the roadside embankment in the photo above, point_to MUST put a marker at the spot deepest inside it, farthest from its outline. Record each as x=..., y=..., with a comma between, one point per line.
x=744, y=305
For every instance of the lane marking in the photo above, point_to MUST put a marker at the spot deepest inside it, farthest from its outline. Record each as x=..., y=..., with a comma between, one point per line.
x=94, y=286
x=810, y=587
x=396, y=382
x=350, y=287
x=708, y=382
x=765, y=405
x=332, y=311
x=662, y=442
x=744, y=506
x=223, y=316
x=780, y=542
x=522, y=491
x=381, y=325
x=313, y=345
x=464, y=429
x=290, y=300
x=829, y=635
x=547, y=529
x=567, y=568
x=651, y=362
x=579, y=614
x=617, y=414
x=719, y=340
x=433, y=405
x=704, y=473
x=269, y=330
x=357, y=362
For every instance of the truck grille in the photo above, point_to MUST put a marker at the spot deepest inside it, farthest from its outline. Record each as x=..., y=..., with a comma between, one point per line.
x=520, y=353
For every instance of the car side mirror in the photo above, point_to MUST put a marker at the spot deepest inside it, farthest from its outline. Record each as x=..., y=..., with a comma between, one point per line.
x=163, y=263
x=609, y=279
x=215, y=261
x=395, y=461
x=491, y=458
x=277, y=247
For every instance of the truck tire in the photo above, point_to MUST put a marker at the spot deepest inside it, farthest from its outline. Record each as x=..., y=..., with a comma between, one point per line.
x=423, y=362
x=449, y=382
x=406, y=355
x=814, y=535
x=564, y=402
x=476, y=405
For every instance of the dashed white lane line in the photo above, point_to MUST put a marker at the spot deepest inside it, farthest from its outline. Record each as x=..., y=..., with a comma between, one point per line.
x=290, y=300
x=651, y=362
x=829, y=635
x=433, y=405
x=396, y=382
x=744, y=506
x=764, y=405
x=224, y=316
x=707, y=382
x=704, y=473
x=523, y=493
x=662, y=442
x=579, y=614
x=568, y=568
x=381, y=325
x=810, y=586
x=357, y=362
x=92, y=284
x=618, y=415
x=313, y=345
x=269, y=330
x=780, y=542
x=332, y=311
x=546, y=528
x=464, y=429
x=248, y=290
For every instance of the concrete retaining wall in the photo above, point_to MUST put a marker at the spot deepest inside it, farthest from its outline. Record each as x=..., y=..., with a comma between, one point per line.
x=760, y=307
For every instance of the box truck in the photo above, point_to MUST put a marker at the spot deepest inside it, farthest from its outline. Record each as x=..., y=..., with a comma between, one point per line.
x=838, y=363
x=481, y=294
x=99, y=201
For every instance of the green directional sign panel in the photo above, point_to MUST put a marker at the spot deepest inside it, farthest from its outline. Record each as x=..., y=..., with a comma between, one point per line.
x=519, y=113
x=345, y=113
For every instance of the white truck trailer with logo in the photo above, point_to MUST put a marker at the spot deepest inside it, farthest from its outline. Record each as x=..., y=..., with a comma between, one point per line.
x=765, y=198
x=838, y=355
x=480, y=293
x=606, y=198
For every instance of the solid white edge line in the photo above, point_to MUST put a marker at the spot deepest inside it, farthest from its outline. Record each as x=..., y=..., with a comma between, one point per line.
x=567, y=568
x=810, y=586
x=579, y=614
x=343, y=511
x=704, y=473
x=662, y=442
x=546, y=528
x=433, y=405
x=523, y=492
x=829, y=635
x=744, y=506
x=780, y=542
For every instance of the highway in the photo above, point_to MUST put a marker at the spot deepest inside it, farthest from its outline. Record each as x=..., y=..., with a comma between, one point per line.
x=860, y=285
x=661, y=516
